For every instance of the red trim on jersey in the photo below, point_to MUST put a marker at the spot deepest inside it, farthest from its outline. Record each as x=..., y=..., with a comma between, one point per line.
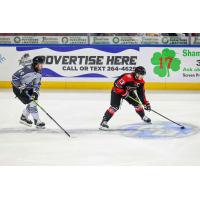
x=128, y=82
x=123, y=80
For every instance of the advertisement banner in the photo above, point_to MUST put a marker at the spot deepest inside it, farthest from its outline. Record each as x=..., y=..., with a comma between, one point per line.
x=195, y=40
x=171, y=64
x=43, y=39
x=150, y=40
x=101, y=40
x=26, y=39
x=5, y=40
x=180, y=40
x=104, y=63
x=115, y=40
x=73, y=40
x=139, y=40
x=74, y=63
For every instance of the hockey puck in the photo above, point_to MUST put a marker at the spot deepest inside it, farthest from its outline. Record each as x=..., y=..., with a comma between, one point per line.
x=182, y=127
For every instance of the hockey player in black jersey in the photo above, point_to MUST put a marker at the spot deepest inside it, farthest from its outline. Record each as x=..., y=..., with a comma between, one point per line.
x=26, y=85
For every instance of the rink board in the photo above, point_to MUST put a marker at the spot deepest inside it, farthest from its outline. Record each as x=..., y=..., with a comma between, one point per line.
x=108, y=85
x=97, y=66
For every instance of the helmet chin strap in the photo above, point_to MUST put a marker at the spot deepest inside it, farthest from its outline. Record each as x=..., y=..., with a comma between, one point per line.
x=36, y=69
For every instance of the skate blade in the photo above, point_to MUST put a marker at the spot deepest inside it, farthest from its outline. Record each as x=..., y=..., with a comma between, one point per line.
x=147, y=122
x=24, y=123
x=103, y=128
x=40, y=127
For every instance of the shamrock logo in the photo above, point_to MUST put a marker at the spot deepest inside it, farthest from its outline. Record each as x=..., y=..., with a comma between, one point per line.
x=164, y=62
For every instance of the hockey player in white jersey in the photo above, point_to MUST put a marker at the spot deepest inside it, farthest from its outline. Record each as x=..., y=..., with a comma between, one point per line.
x=26, y=85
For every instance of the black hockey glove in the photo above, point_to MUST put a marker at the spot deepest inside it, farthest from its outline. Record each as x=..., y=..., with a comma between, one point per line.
x=34, y=96
x=147, y=106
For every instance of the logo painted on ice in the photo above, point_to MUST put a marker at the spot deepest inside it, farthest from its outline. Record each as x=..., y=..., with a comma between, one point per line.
x=2, y=59
x=164, y=62
x=158, y=130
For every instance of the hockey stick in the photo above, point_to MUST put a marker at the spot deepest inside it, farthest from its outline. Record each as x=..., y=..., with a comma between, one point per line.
x=48, y=114
x=181, y=126
x=51, y=117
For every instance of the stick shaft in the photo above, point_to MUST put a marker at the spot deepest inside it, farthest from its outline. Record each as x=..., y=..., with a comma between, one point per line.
x=165, y=117
x=156, y=112
x=51, y=118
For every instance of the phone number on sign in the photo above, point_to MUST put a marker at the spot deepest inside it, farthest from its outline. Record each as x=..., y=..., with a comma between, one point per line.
x=95, y=68
x=120, y=68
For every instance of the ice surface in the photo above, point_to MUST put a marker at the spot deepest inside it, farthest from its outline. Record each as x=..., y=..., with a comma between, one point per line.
x=129, y=142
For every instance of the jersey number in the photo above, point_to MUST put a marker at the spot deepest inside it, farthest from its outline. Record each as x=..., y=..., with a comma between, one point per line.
x=121, y=81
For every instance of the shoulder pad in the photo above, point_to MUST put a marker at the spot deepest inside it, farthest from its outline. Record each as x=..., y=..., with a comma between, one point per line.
x=128, y=77
x=141, y=81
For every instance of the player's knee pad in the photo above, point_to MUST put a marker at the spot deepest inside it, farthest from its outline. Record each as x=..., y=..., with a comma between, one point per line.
x=112, y=110
x=32, y=107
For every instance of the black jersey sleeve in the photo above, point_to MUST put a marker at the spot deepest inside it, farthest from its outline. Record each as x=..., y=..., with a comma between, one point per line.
x=141, y=93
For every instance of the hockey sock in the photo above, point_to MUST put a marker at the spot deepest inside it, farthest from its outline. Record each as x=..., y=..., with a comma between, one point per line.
x=33, y=110
x=109, y=113
x=26, y=112
x=140, y=111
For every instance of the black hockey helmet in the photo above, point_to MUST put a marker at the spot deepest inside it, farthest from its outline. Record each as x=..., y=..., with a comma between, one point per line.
x=38, y=60
x=140, y=70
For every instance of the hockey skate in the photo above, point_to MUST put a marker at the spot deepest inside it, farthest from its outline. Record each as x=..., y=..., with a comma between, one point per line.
x=146, y=119
x=104, y=126
x=39, y=124
x=25, y=121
